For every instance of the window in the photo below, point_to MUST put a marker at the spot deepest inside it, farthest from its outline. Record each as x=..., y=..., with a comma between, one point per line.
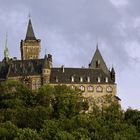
x=72, y=79
x=90, y=88
x=106, y=79
x=97, y=63
x=56, y=79
x=82, y=88
x=88, y=79
x=109, y=89
x=99, y=89
x=36, y=84
x=72, y=87
x=81, y=79
x=99, y=79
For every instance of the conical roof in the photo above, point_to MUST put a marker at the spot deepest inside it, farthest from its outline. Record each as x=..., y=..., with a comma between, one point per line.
x=98, y=58
x=112, y=70
x=30, y=32
x=45, y=65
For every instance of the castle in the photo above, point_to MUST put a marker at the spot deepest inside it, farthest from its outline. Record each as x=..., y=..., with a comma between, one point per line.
x=96, y=80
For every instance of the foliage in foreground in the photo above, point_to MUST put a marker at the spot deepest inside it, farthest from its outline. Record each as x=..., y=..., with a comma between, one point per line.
x=52, y=113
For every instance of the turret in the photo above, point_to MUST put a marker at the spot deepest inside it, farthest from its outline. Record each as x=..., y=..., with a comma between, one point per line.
x=50, y=60
x=46, y=69
x=112, y=74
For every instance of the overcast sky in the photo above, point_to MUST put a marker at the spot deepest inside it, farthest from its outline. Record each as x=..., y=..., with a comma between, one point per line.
x=69, y=30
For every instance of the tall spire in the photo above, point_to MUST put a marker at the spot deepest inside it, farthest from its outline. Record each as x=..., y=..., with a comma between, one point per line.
x=30, y=32
x=6, y=51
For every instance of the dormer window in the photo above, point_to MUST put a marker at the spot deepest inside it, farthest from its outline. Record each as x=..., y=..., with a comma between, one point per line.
x=97, y=63
x=88, y=79
x=106, y=79
x=99, y=79
x=72, y=79
x=81, y=79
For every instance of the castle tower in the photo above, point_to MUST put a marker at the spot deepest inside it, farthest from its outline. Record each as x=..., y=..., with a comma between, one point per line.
x=30, y=47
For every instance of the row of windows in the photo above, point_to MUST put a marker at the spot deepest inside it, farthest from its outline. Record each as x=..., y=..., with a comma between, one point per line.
x=81, y=79
x=91, y=88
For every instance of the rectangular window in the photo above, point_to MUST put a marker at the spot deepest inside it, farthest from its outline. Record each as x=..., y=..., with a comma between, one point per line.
x=81, y=79
x=88, y=79
x=106, y=79
x=99, y=79
x=72, y=79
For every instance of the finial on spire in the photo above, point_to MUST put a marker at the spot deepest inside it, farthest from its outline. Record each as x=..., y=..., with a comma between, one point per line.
x=30, y=32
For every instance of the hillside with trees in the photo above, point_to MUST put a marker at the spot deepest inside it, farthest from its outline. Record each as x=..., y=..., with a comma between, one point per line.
x=59, y=113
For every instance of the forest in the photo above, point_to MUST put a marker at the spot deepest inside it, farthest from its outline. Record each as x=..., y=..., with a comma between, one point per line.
x=60, y=113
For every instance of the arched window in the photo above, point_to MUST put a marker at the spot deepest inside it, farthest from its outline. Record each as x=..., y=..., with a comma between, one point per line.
x=90, y=88
x=82, y=88
x=109, y=89
x=99, y=89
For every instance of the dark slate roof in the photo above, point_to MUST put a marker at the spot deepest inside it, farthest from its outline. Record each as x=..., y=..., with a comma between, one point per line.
x=65, y=76
x=30, y=32
x=26, y=67
x=21, y=68
x=98, y=56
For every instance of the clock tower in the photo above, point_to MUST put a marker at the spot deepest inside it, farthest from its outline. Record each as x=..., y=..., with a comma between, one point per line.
x=30, y=47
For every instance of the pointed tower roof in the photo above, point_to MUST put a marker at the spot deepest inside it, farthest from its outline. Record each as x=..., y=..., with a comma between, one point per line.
x=113, y=70
x=45, y=65
x=30, y=32
x=98, y=60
